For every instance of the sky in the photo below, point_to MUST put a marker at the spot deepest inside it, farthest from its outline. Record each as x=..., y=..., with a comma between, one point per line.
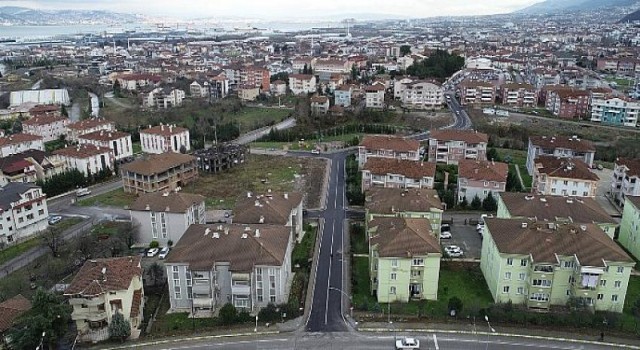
x=284, y=9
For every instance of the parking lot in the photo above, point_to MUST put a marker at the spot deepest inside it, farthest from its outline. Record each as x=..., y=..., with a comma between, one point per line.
x=464, y=235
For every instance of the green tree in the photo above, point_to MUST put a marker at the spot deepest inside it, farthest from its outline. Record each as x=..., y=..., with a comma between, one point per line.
x=489, y=203
x=63, y=111
x=476, y=203
x=117, y=89
x=464, y=203
x=119, y=328
x=455, y=303
x=439, y=65
x=405, y=50
x=354, y=72
x=154, y=244
x=305, y=69
x=228, y=314
x=156, y=274
x=492, y=154
x=284, y=76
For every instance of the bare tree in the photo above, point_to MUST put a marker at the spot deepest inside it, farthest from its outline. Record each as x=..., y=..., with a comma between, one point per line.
x=52, y=237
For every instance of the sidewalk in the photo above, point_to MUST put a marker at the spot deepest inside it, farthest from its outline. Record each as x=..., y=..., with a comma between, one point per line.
x=501, y=330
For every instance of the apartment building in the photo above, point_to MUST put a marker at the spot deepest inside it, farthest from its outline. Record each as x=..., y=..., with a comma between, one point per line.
x=559, y=147
x=319, y=105
x=248, y=266
x=220, y=157
x=248, y=92
x=281, y=209
x=298, y=64
x=477, y=93
x=422, y=95
x=619, y=111
x=569, y=103
x=629, y=236
x=255, y=77
x=625, y=179
x=542, y=264
x=18, y=143
x=480, y=178
x=102, y=288
x=563, y=177
x=413, y=203
x=30, y=166
x=450, y=146
x=74, y=130
x=23, y=211
x=519, y=95
x=87, y=158
x=342, y=96
x=117, y=141
x=165, y=138
x=399, y=85
x=555, y=209
x=163, y=98
x=404, y=257
x=159, y=173
x=133, y=82
x=48, y=127
x=302, y=83
x=374, y=96
x=165, y=216
x=386, y=146
x=397, y=173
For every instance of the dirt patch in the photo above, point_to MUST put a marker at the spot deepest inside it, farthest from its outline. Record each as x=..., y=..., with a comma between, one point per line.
x=424, y=120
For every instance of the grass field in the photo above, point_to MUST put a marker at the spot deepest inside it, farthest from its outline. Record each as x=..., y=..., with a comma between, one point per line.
x=115, y=198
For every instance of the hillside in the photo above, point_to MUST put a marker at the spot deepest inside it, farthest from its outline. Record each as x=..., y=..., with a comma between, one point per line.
x=555, y=6
x=633, y=16
x=13, y=15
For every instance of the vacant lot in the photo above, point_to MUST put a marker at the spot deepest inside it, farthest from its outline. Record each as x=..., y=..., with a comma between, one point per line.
x=115, y=198
x=258, y=174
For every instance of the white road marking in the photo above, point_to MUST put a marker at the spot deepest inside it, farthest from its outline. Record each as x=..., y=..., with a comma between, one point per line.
x=435, y=342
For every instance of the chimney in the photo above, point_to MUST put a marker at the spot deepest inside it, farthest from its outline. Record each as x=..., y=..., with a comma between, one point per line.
x=257, y=203
x=286, y=196
x=216, y=235
x=261, y=219
x=248, y=194
x=257, y=233
x=524, y=225
x=244, y=236
x=206, y=231
x=226, y=231
x=165, y=194
x=147, y=207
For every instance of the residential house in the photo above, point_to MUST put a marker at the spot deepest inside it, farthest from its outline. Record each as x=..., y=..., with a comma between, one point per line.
x=397, y=173
x=23, y=211
x=117, y=141
x=542, y=264
x=133, y=82
x=164, y=216
x=319, y=105
x=30, y=166
x=555, y=209
x=387, y=146
x=422, y=95
x=163, y=98
x=625, y=181
x=450, y=146
x=45, y=111
x=481, y=178
x=399, y=85
x=374, y=96
x=477, y=93
x=159, y=173
x=559, y=147
x=74, y=130
x=563, y=177
x=404, y=259
x=102, y=288
x=248, y=266
x=248, y=92
x=298, y=64
x=11, y=310
x=519, y=95
x=199, y=89
x=165, y=138
x=50, y=128
x=278, y=88
x=629, y=236
x=302, y=83
x=416, y=203
x=17, y=143
x=619, y=111
x=342, y=96
x=87, y=158
x=283, y=209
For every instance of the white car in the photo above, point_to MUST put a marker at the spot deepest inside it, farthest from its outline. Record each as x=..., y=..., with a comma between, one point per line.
x=54, y=219
x=407, y=344
x=315, y=151
x=83, y=192
x=453, y=251
x=445, y=228
x=163, y=252
x=152, y=252
x=445, y=235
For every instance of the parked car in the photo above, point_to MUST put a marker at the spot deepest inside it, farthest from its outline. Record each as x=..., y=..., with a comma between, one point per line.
x=152, y=252
x=407, y=343
x=83, y=192
x=163, y=252
x=315, y=151
x=445, y=235
x=54, y=219
x=453, y=251
x=445, y=228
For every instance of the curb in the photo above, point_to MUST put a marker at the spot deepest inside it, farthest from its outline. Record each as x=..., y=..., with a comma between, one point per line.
x=204, y=337
x=511, y=335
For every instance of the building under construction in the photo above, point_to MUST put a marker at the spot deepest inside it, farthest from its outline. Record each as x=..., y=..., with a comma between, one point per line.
x=220, y=157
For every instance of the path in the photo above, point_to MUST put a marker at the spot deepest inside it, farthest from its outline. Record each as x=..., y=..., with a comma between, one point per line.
x=109, y=96
x=517, y=167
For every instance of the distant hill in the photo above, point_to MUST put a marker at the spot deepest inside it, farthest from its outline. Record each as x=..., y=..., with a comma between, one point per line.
x=13, y=15
x=633, y=16
x=555, y=6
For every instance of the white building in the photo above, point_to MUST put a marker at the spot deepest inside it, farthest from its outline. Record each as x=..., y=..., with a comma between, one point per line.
x=119, y=142
x=23, y=211
x=625, y=179
x=87, y=158
x=18, y=143
x=49, y=127
x=422, y=95
x=302, y=83
x=563, y=177
x=374, y=96
x=163, y=98
x=616, y=111
x=387, y=146
x=559, y=147
x=165, y=138
x=87, y=126
x=41, y=97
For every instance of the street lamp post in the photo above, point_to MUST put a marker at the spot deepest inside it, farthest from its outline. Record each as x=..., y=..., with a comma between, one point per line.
x=486, y=318
x=255, y=330
x=40, y=346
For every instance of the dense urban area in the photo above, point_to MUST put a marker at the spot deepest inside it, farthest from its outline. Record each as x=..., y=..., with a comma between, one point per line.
x=444, y=181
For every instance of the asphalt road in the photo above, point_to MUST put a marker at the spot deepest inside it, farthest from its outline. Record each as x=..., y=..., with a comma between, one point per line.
x=462, y=119
x=375, y=341
x=326, y=313
x=256, y=134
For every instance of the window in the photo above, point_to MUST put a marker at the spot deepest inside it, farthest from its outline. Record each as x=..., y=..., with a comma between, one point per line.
x=41, y=212
x=507, y=275
x=521, y=276
x=259, y=286
x=272, y=285
x=154, y=227
x=539, y=297
x=520, y=290
x=394, y=262
x=163, y=222
x=241, y=301
x=620, y=269
x=505, y=289
x=568, y=292
x=20, y=220
x=176, y=290
x=568, y=264
x=603, y=283
x=541, y=283
x=189, y=285
x=574, y=192
x=418, y=262
x=614, y=298
x=600, y=296
x=392, y=290
x=523, y=262
x=617, y=284
x=393, y=276
x=509, y=261
x=416, y=273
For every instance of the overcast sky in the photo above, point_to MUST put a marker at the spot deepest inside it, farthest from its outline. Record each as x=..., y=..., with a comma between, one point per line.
x=284, y=9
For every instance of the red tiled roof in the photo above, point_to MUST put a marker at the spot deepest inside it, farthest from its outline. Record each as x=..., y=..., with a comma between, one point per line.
x=399, y=144
x=11, y=309
x=164, y=130
x=102, y=275
x=471, y=136
x=18, y=138
x=483, y=170
x=564, y=168
x=82, y=151
x=43, y=120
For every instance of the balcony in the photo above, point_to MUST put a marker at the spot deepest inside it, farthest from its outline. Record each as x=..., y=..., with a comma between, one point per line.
x=240, y=289
x=205, y=303
x=93, y=316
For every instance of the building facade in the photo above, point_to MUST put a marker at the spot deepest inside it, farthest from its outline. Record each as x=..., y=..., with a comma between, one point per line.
x=18, y=143
x=87, y=158
x=625, y=181
x=165, y=138
x=629, y=236
x=422, y=95
x=397, y=173
x=563, y=177
x=615, y=111
x=559, y=147
x=481, y=178
x=385, y=146
x=159, y=173
x=23, y=211
x=50, y=128
x=450, y=146
x=118, y=142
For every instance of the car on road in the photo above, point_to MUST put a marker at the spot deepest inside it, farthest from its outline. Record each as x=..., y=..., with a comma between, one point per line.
x=453, y=251
x=445, y=228
x=163, y=252
x=407, y=343
x=315, y=151
x=445, y=235
x=83, y=192
x=54, y=219
x=152, y=252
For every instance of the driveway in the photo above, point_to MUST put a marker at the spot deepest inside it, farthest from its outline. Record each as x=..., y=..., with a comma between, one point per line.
x=464, y=235
x=604, y=186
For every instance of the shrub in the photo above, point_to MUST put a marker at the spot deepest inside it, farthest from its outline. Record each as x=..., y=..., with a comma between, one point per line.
x=154, y=244
x=228, y=314
x=455, y=304
x=119, y=328
x=476, y=203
